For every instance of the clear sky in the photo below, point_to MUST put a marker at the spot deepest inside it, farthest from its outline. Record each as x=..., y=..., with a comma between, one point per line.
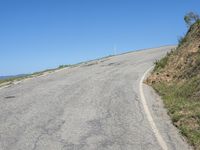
x=41, y=34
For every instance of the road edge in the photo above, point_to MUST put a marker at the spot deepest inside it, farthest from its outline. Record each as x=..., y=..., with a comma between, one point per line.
x=152, y=123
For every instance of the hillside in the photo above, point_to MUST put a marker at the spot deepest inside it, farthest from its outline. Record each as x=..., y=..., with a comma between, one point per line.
x=176, y=77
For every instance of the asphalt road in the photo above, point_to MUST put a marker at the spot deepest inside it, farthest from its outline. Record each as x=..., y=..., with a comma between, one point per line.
x=92, y=106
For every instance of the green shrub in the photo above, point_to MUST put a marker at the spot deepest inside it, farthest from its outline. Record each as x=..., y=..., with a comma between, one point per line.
x=181, y=40
x=190, y=18
x=159, y=64
x=63, y=66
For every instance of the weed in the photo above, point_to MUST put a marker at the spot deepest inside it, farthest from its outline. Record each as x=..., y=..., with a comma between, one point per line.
x=181, y=40
x=159, y=64
x=183, y=107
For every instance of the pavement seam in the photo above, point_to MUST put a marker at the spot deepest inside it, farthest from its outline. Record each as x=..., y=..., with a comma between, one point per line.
x=155, y=130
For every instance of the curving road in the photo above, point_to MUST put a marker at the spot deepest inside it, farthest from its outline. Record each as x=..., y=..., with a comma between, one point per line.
x=91, y=106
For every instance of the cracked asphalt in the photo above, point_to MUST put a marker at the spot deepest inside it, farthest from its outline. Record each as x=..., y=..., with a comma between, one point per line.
x=91, y=106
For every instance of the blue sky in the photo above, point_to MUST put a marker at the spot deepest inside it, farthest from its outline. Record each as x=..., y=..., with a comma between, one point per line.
x=41, y=34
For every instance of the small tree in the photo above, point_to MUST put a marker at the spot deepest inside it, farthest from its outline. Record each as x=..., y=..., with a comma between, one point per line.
x=191, y=18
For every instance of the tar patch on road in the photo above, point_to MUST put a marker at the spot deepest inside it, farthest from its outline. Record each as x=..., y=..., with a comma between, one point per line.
x=9, y=97
x=114, y=64
x=111, y=64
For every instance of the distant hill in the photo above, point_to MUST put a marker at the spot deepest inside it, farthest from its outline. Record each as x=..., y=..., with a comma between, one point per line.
x=12, y=76
x=176, y=78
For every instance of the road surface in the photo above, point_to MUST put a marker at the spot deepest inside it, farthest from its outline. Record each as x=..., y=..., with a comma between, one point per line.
x=92, y=106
